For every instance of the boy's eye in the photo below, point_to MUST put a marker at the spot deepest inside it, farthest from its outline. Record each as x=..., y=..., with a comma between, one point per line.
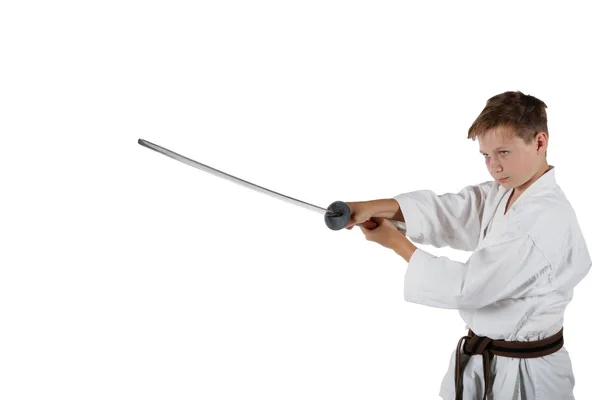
x=503, y=152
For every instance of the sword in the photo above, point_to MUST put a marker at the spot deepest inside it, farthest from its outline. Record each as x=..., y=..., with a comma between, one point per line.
x=336, y=215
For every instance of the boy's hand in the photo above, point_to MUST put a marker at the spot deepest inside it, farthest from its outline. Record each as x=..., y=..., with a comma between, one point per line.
x=360, y=212
x=386, y=233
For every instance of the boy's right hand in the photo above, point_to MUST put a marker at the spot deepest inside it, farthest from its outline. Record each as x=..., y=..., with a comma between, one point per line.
x=360, y=212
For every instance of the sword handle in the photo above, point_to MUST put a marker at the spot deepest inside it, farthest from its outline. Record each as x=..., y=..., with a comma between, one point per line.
x=370, y=224
x=340, y=215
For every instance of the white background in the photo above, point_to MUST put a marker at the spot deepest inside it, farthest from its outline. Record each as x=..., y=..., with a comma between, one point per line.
x=127, y=275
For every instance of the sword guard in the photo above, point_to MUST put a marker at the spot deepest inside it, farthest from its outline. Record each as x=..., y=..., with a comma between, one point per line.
x=339, y=216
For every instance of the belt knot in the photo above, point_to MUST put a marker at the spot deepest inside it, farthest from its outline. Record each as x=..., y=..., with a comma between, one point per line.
x=476, y=344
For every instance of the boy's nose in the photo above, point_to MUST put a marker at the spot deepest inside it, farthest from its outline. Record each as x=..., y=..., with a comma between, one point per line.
x=495, y=167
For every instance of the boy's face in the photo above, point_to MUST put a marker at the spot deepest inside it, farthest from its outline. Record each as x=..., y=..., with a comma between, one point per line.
x=511, y=161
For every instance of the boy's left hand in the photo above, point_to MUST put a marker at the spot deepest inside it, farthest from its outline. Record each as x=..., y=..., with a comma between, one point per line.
x=386, y=233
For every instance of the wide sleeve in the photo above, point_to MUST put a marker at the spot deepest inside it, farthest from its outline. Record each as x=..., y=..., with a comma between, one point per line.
x=509, y=269
x=451, y=219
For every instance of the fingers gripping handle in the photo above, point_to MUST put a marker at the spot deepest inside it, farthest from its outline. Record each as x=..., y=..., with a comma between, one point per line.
x=340, y=215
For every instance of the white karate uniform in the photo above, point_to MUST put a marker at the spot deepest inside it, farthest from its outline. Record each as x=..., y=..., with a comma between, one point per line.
x=515, y=286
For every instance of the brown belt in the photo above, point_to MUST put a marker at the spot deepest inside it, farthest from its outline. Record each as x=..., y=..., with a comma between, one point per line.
x=486, y=347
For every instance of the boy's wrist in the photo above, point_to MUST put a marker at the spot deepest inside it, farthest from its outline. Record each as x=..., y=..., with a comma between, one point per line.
x=404, y=247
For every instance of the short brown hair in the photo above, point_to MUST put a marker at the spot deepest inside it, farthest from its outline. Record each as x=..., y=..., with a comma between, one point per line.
x=525, y=113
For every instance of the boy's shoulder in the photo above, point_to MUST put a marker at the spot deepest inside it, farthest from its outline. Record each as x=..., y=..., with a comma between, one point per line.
x=549, y=219
x=549, y=205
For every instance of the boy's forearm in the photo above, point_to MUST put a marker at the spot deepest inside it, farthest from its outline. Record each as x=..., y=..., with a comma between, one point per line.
x=390, y=209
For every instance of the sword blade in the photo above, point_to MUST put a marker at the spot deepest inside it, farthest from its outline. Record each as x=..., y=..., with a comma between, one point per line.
x=234, y=179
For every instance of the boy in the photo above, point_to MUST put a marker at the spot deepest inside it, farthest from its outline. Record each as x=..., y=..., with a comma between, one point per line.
x=528, y=255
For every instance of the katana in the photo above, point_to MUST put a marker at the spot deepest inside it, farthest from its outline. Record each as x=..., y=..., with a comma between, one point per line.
x=336, y=215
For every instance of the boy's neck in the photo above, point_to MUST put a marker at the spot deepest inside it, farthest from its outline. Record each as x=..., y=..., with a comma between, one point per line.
x=545, y=167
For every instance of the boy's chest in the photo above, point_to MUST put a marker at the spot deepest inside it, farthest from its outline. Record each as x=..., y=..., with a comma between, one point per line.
x=497, y=219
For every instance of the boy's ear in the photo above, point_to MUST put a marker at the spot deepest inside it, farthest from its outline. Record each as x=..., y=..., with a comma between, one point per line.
x=541, y=138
